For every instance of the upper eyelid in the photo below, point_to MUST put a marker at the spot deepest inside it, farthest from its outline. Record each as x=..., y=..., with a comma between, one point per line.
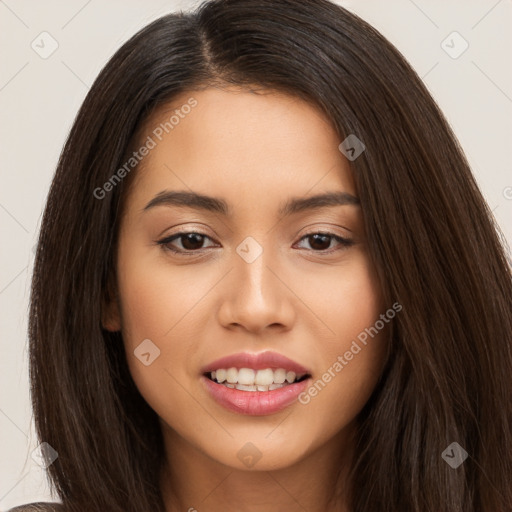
x=176, y=236
x=182, y=233
x=192, y=231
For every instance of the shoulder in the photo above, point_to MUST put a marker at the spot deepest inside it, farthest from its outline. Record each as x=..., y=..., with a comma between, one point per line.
x=39, y=507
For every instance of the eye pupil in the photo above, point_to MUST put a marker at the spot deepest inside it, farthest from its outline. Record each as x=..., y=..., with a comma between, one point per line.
x=194, y=238
x=318, y=237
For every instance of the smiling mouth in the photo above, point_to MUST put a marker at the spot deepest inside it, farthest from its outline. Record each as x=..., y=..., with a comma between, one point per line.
x=248, y=379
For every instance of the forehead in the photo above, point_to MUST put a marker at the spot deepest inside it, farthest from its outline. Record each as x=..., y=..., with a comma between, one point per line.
x=236, y=143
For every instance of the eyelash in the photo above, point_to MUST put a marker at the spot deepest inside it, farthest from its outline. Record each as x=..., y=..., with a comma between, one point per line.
x=164, y=242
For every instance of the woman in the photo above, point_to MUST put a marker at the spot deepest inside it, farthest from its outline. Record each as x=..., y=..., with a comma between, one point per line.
x=340, y=336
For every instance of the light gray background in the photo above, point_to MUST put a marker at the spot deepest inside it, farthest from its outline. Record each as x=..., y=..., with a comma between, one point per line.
x=40, y=97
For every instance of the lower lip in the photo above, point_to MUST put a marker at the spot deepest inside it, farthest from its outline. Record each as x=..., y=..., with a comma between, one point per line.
x=255, y=403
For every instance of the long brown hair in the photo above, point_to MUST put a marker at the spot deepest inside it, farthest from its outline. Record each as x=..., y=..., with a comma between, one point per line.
x=431, y=236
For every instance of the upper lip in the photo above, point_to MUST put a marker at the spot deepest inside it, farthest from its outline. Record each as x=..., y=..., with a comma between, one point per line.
x=259, y=361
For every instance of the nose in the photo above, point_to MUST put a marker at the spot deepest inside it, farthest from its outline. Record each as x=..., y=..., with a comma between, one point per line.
x=256, y=296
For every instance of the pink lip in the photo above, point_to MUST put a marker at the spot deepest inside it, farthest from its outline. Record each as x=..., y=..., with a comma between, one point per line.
x=255, y=403
x=259, y=361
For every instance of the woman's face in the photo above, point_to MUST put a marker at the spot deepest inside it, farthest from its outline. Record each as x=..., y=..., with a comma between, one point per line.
x=254, y=279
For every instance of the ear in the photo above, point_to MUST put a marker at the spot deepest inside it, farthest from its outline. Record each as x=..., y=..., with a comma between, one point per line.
x=110, y=311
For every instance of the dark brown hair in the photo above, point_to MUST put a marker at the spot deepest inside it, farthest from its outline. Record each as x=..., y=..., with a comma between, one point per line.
x=448, y=377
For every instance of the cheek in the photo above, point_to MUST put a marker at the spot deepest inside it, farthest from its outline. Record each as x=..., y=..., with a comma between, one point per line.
x=344, y=300
x=157, y=303
x=353, y=353
x=169, y=305
x=157, y=297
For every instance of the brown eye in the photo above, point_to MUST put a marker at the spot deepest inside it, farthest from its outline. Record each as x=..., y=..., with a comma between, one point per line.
x=321, y=242
x=192, y=241
x=189, y=242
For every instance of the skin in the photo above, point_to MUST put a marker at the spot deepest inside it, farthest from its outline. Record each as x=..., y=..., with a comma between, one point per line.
x=254, y=150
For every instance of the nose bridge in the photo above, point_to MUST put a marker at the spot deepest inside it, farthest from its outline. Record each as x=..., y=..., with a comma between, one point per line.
x=257, y=297
x=256, y=270
x=251, y=269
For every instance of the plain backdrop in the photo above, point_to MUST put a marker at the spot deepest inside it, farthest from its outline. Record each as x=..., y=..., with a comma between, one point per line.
x=39, y=98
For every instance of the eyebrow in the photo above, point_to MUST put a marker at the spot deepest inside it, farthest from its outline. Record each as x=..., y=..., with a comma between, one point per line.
x=216, y=205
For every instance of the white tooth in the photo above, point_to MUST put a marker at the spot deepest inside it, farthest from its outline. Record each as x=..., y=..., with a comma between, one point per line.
x=213, y=375
x=221, y=375
x=232, y=375
x=290, y=377
x=265, y=377
x=229, y=385
x=243, y=387
x=275, y=386
x=262, y=388
x=246, y=376
x=279, y=376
